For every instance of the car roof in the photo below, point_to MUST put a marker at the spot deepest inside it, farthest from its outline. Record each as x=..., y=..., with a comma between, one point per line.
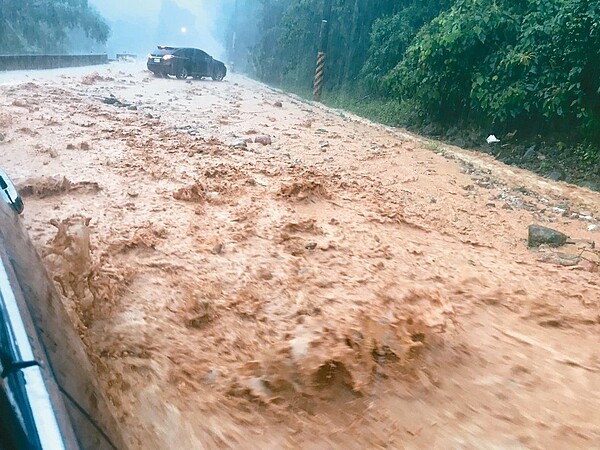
x=173, y=49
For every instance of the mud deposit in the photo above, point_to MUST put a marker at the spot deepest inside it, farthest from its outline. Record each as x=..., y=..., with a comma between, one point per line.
x=343, y=286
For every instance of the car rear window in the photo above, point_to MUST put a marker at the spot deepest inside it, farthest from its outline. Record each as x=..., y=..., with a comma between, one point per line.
x=162, y=52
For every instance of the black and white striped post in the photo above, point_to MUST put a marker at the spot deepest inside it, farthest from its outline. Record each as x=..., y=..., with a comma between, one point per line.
x=322, y=54
x=318, y=87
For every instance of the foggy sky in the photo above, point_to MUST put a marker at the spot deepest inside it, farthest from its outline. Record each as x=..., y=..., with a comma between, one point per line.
x=132, y=18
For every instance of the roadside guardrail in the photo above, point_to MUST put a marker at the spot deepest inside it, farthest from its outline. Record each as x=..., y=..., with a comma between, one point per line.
x=35, y=62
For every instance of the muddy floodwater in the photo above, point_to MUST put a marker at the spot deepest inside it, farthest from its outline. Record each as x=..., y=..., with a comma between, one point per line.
x=248, y=270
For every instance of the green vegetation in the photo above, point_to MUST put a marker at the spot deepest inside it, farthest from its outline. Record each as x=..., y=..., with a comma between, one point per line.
x=387, y=112
x=525, y=70
x=525, y=65
x=43, y=26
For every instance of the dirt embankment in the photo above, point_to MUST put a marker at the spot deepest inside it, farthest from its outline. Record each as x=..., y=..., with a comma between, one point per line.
x=338, y=284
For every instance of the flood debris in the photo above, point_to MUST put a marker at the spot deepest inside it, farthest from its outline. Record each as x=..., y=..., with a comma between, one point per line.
x=559, y=259
x=94, y=78
x=223, y=293
x=112, y=100
x=84, y=278
x=194, y=193
x=43, y=187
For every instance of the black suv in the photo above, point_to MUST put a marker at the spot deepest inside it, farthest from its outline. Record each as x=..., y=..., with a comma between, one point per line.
x=185, y=62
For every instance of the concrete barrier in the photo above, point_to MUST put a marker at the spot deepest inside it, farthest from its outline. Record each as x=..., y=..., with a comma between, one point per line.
x=126, y=57
x=34, y=62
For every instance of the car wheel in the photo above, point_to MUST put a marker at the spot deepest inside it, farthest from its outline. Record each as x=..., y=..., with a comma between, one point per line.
x=182, y=73
x=218, y=76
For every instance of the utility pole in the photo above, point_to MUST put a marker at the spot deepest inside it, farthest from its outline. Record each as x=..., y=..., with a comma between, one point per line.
x=321, y=55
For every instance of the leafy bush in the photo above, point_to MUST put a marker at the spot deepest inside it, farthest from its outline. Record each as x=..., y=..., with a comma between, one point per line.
x=392, y=35
x=527, y=64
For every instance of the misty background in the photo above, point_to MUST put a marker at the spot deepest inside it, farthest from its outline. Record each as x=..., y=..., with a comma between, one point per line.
x=138, y=26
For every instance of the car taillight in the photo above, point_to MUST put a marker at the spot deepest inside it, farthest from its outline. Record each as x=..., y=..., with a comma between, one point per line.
x=168, y=57
x=150, y=56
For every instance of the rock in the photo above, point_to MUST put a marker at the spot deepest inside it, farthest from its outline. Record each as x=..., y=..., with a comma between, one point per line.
x=560, y=209
x=539, y=235
x=132, y=108
x=529, y=154
x=264, y=274
x=84, y=146
x=459, y=142
x=264, y=139
x=556, y=175
x=20, y=103
x=591, y=185
x=212, y=376
x=2, y=137
x=311, y=246
x=431, y=130
x=278, y=104
x=593, y=227
x=240, y=143
x=452, y=131
x=486, y=148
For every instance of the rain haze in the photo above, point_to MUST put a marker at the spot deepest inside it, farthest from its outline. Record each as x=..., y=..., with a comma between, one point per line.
x=137, y=26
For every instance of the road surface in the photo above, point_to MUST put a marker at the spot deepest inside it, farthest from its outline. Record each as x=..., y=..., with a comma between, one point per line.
x=344, y=286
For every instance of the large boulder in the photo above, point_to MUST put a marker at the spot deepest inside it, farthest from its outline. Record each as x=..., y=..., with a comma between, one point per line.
x=556, y=175
x=539, y=235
